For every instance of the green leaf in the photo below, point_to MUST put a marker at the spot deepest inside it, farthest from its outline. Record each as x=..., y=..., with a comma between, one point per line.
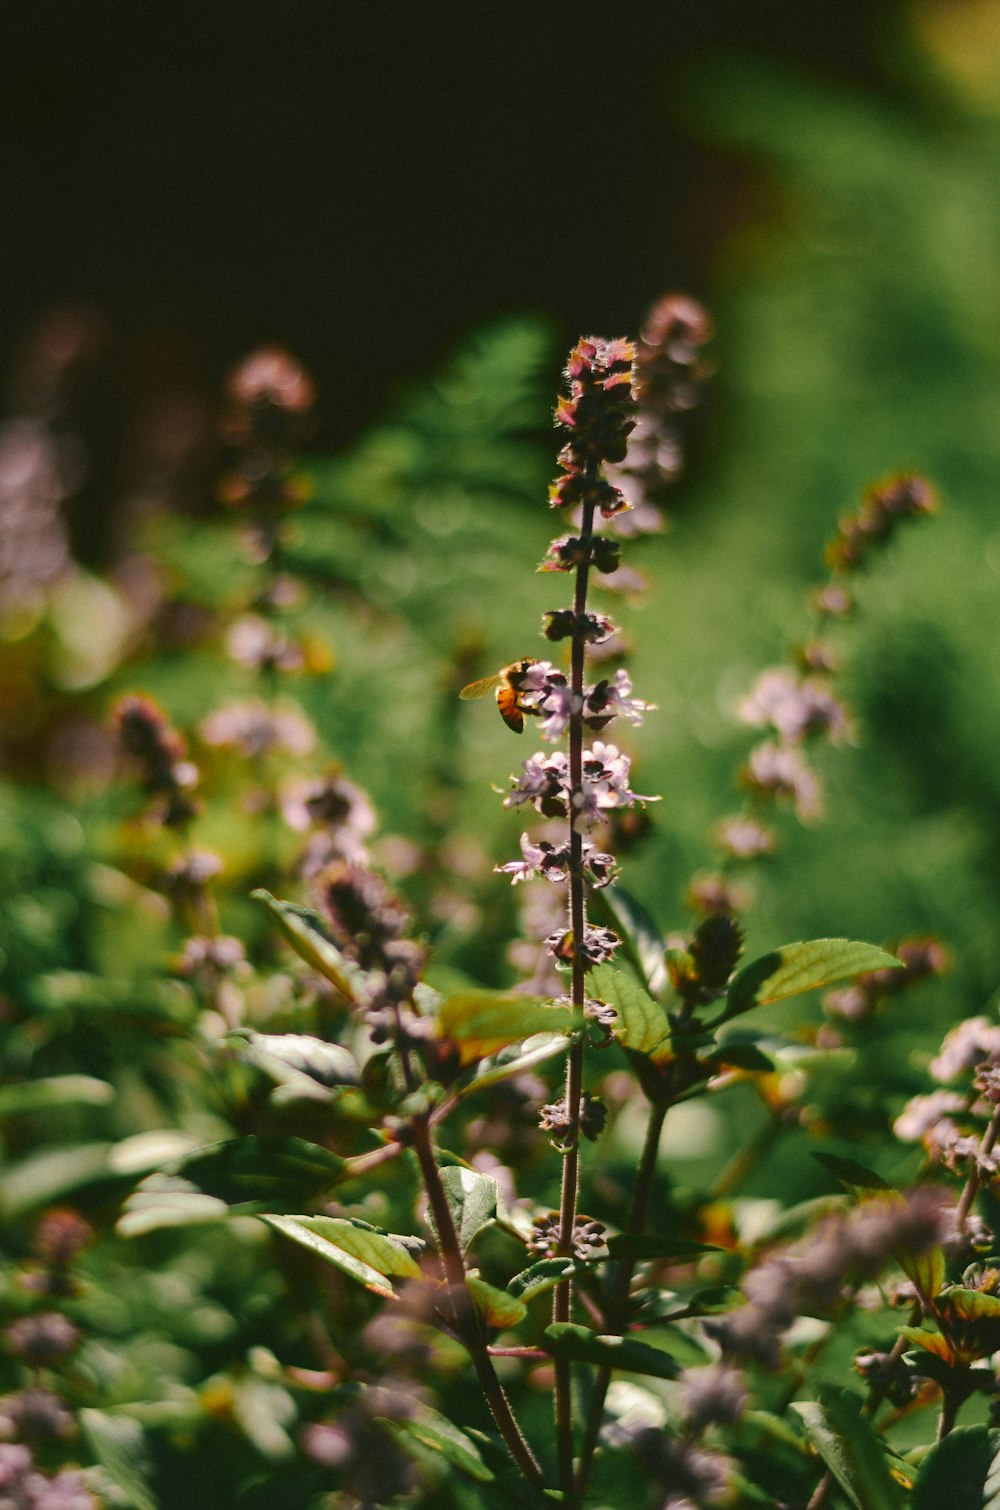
x=52, y=1174
x=541, y=1276
x=796, y=968
x=578, y=1344
x=306, y=1068
x=643, y=942
x=472, y=1200
x=118, y=1444
x=643, y=1025
x=499, y=1309
x=278, y=1171
x=954, y=1474
x=742, y=1055
x=483, y=1022
x=855, y=1178
x=651, y=1245
x=357, y=1250
x=514, y=1060
x=304, y=931
x=56, y=1091
x=991, y=1488
x=433, y=1430
x=167, y=1201
x=848, y=1445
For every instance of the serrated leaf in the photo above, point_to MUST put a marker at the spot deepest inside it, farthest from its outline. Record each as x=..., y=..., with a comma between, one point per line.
x=796, y=968
x=642, y=941
x=358, y=1251
x=577, y=1344
x=56, y=1091
x=742, y=1055
x=163, y=1201
x=51, y=1174
x=433, y=1430
x=929, y=1342
x=303, y=930
x=472, y=1200
x=279, y=1171
x=308, y=1067
x=954, y=1474
x=642, y=1025
x=650, y=1246
x=483, y=1022
x=514, y=1060
x=858, y=1180
x=846, y=1441
x=539, y=1277
x=926, y=1271
x=118, y=1444
x=499, y=1309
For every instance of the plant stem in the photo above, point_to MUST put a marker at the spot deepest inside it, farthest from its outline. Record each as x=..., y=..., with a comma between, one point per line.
x=466, y=1318
x=972, y=1183
x=619, y=1280
x=562, y=1297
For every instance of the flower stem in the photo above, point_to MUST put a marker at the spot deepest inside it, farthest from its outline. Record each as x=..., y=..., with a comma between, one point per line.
x=466, y=1318
x=619, y=1281
x=562, y=1297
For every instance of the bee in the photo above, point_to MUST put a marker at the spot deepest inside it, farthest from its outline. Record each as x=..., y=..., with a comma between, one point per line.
x=508, y=686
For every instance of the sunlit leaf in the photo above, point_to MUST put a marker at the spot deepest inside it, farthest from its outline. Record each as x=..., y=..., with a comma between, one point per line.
x=577, y=1344
x=846, y=1441
x=168, y=1201
x=954, y=1474
x=118, y=1444
x=472, y=1200
x=435, y=1431
x=499, y=1309
x=858, y=1180
x=52, y=1174
x=280, y=1171
x=303, y=930
x=363, y=1254
x=642, y=941
x=650, y=1246
x=483, y=1022
x=306, y=1068
x=515, y=1059
x=642, y=1023
x=50, y=1094
x=539, y=1277
x=796, y=968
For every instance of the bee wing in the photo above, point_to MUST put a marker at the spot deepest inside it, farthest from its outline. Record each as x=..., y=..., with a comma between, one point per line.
x=484, y=685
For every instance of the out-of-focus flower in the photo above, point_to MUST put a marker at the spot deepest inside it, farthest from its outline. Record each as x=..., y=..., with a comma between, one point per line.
x=744, y=838
x=795, y=707
x=781, y=770
x=965, y=1046
x=253, y=728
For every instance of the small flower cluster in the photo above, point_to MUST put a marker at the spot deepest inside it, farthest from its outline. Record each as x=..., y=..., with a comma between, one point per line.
x=24, y=1487
x=949, y=1121
x=796, y=703
x=269, y=400
x=669, y=375
x=814, y=1276
x=921, y=957
x=883, y=508
x=36, y=1417
x=168, y=775
x=368, y=924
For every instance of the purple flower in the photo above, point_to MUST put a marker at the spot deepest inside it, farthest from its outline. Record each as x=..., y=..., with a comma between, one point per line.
x=794, y=708
x=964, y=1047
x=781, y=771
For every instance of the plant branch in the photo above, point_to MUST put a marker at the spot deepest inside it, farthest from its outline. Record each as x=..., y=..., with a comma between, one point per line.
x=619, y=1281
